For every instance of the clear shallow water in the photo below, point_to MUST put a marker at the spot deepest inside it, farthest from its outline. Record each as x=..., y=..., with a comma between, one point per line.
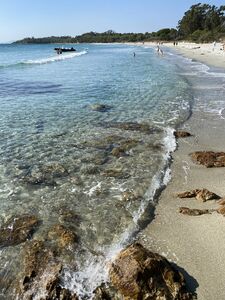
x=46, y=120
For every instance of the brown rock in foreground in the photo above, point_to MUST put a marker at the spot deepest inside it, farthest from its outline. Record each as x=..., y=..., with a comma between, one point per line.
x=221, y=201
x=202, y=195
x=221, y=210
x=209, y=158
x=41, y=275
x=193, y=212
x=17, y=230
x=181, y=134
x=140, y=274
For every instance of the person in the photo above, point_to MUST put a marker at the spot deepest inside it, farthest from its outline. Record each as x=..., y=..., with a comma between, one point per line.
x=214, y=45
x=134, y=54
x=159, y=50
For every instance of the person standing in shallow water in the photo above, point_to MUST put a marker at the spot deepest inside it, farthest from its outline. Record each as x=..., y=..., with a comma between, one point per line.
x=134, y=54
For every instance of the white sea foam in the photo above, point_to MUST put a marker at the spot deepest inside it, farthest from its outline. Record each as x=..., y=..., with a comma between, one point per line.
x=55, y=58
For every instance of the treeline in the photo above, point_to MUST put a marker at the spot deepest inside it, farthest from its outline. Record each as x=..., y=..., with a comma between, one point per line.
x=201, y=23
x=105, y=37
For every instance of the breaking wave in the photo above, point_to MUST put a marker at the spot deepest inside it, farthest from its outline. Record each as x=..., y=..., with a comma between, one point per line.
x=46, y=60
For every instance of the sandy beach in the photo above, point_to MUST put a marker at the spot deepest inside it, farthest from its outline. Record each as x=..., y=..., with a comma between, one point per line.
x=194, y=243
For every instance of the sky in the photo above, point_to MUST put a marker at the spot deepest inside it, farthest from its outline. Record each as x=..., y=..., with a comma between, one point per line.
x=39, y=18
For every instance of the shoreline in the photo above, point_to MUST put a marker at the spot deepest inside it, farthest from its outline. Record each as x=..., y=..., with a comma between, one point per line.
x=193, y=243
x=204, y=53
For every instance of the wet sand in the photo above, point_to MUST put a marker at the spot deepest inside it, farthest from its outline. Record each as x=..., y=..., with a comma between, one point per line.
x=194, y=243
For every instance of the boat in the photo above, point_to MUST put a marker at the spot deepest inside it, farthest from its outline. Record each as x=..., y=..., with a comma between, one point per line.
x=60, y=50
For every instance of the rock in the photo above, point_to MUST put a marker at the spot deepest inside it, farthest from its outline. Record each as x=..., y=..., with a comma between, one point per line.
x=221, y=210
x=89, y=169
x=123, y=147
x=221, y=201
x=100, y=107
x=130, y=196
x=181, y=134
x=140, y=274
x=193, y=212
x=41, y=275
x=188, y=194
x=209, y=158
x=104, y=292
x=62, y=235
x=132, y=126
x=205, y=195
x=68, y=216
x=115, y=173
x=17, y=230
x=118, y=152
x=202, y=195
x=45, y=174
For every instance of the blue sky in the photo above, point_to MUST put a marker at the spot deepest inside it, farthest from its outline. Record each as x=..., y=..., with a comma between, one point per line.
x=23, y=18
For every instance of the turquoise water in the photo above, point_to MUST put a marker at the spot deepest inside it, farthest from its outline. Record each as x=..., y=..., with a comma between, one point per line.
x=47, y=121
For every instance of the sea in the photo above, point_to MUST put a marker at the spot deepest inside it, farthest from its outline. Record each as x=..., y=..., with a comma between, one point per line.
x=86, y=139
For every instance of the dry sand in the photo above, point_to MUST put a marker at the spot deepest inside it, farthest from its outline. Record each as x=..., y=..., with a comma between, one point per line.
x=195, y=244
x=206, y=53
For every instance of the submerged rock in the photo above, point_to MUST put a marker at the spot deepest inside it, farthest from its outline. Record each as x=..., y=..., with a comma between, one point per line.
x=62, y=235
x=132, y=126
x=140, y=274
x=119, y=174
x=130, y=196
x=194, y=212
x=100, y=107
x=17, y=230
x=45, y=174
x=202, y=195
x=181, y=134
x=41, y=275
x=209, y=158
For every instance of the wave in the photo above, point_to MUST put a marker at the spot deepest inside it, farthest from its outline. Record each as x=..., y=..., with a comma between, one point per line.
x=46, y=60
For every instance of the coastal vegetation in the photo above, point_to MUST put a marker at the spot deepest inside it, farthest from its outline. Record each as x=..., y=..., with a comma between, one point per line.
x=201, y=23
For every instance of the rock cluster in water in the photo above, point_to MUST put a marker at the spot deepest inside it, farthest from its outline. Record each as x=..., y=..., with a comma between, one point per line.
x=40, y=276
x=17, y=230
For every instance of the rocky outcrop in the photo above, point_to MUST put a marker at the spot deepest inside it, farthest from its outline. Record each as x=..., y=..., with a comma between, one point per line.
x=130, y=196
x=221, y=210
x=44, y=174
x=194, y=212
x=40, y=276
x=209, y=158
x=63, y=236
x=140, y=274
x=132, y=126
x=181, y=134
x=202, y=195
x=100, y=107
x=221, y=201
x=17, y=230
